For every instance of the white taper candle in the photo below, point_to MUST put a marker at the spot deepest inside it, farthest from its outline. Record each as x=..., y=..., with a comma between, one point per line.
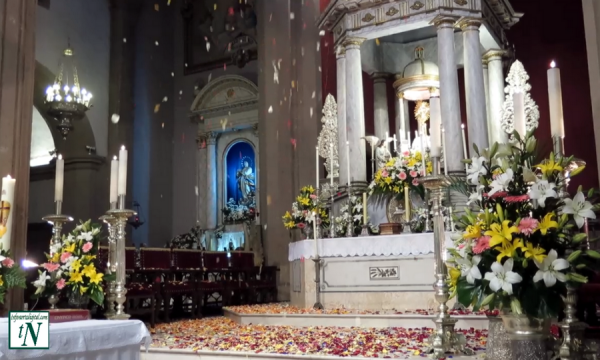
x=464, y=141
x=114, y=174
x=59, y=179
x=317, y=165
x=348, y=159
x=122, y=176
x=557, y=124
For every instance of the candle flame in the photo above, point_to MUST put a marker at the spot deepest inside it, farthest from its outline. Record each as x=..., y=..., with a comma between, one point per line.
x=123, y=147
x=553, y=64
x=59, y=157
x=462, y=126
x=8, y=177
x=347, y=142
x=115, y=157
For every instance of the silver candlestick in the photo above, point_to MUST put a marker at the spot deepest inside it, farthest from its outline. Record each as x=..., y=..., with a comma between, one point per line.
x=318, y=262
x=57, y=220
x=121, y=215
x=111, y=265
x=444, y=339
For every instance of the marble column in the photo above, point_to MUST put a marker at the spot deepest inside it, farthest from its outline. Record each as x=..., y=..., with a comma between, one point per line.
x=341, y=112
x=496, y=91
x=402, y=119
x=17, y=68
x=486, y=86
x=382, y=119
x=355, y=109
x=449, y=95
x=211, y=180
x=474, y=85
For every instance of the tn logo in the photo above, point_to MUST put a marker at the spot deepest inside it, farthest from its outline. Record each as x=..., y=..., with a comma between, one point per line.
x=28, y=329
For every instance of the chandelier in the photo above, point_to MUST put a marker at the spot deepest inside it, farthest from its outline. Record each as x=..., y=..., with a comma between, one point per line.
x=66, y=100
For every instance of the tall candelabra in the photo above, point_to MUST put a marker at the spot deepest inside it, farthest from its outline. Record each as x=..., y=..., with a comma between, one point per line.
x=57, y=220
x=121, y=215
x=111, y=266
x=444, y=339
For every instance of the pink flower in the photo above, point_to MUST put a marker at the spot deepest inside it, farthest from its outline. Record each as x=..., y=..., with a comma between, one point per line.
x=406, y=153
x=516, y=198
x=461, y=246
x=64, y=257
x=415, y=182
x=313, y=196
x=384, y=173
x=528, y=225
x=60, y=284
x=87, y=247
x=402, y=175
x=50, y=267
x=413, y=173
x=8, y=262
x=483, y=243
x=301, y=225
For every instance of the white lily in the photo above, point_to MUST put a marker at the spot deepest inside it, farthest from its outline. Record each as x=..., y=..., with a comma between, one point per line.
x=476, y=169
x=549, y=269
x=579, y=208
x=502, y=277
x=41, y=281
x=542, y=190
x=501, y=182
x=468, y=268
x=87, y=236
x=476, y=196
x=357, y=208
x=357, y=217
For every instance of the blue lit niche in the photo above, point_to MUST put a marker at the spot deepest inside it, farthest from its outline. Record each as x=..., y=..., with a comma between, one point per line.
x=239, y=152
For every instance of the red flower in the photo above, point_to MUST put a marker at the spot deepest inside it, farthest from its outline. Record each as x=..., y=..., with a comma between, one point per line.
x=8, y=262
x=50, y=266
x=415, y=182
x=300, y=225
x=483, y=243
x=60, y=284
x=516, y=198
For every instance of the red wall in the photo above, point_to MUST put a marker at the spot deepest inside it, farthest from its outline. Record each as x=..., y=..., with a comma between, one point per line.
x=538, y=39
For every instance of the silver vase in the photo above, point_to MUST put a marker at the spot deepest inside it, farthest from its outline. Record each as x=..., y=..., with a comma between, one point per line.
x=53, y=300
x=498, y=345
x=528, y=336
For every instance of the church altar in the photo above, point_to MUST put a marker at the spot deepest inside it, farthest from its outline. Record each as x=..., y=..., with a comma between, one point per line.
x=366, y=273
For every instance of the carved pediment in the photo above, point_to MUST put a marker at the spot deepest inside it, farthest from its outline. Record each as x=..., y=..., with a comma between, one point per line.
x=224, y=96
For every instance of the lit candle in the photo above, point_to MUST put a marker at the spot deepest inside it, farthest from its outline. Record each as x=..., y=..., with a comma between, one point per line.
x=7, y=198
x=395, y=148
x=365, y=208
x=519, y=118
x=464, y=141
x=348, y=160
x=557, y=125
x=122, y=177
x=406, y=203
x=114, y=171
x=331, y=165
x=436, y=126
x=444, y=151
x=317, y=165
x=59, y=179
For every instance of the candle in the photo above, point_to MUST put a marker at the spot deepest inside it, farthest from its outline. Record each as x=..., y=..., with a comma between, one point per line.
x=348, y=160
x=436, y=126
x=406, y=203
x=423, y=152
x=331, y=165
x=59, y=179
x=7, y=198
x=122, y=174
x=557, y=125
x=315, y=233
x=519, y=118
x=395, y=149
x=317, y=165
x=464, y=141
x=114, y=171
x=365, y=208
x=444, y=151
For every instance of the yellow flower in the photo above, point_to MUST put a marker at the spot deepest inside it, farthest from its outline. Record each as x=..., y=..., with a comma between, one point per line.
x=388, y=180
x=501, y=234
x=397, y=189
x=82, y=290
x=472, y=232
x=506, y=251
x=96, y=278
x=547, y=223
x=537, y=253
x=76, y=265
x=287, y=215
x=89, y=257
x=454, y=276
x=412, y=162
x=289, y=225
x=70, y=248
x=303, y=200
x=89, y=270
x=1, y=281
x=548, y=167
x=308, y=188
x=75, y=278
x=55, y=258
x=391, y=162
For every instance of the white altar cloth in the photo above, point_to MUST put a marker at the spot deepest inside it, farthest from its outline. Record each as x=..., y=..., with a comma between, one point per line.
x=85, y=340
x=382, y=245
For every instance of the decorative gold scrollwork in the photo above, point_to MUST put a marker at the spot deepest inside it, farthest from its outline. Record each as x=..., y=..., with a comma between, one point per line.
x=461, y=2
x=417, y=5
x=392, y=11
x=368, y=18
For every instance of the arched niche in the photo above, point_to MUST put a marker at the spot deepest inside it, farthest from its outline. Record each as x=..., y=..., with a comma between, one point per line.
x=237, y=154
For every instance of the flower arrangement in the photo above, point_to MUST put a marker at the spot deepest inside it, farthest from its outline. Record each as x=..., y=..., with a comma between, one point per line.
x=11, y=274
x=352, y=212
x=398, y=172
x=233, y=212
x=71, y=267
x=524, y=244
x=303, y=210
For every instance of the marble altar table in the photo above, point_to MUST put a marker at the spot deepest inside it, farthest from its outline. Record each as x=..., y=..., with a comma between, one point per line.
x=85, y=340
x=374, y=272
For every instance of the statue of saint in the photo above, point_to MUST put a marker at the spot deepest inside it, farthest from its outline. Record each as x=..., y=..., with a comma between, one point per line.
x=246, y=184
x=422, y=142
x=382, y=154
